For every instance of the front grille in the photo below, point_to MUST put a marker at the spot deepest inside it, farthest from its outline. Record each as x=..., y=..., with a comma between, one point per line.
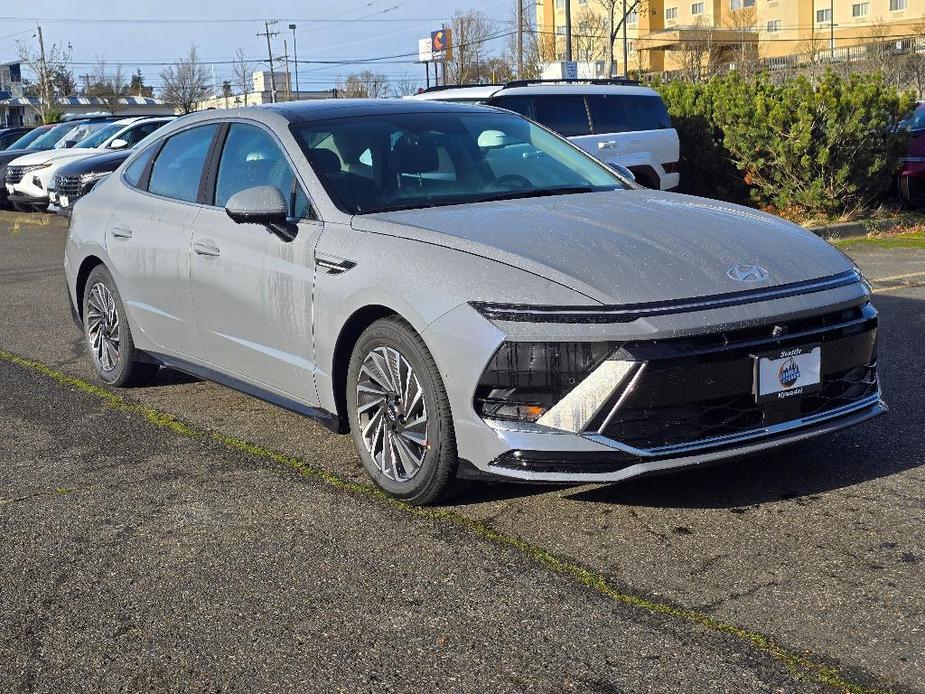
x=14, y=174
x=701, y=388
x=68, y=185
x=705, y=419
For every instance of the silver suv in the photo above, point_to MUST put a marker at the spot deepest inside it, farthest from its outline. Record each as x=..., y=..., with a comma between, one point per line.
x=466, y=294
x=615, y=120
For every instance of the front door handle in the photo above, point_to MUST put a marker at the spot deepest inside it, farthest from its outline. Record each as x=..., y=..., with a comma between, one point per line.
x=121, y=232
x=207, y=249
x=610, y=144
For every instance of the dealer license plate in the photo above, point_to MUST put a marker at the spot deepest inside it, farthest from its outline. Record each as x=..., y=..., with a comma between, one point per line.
x=788, y=373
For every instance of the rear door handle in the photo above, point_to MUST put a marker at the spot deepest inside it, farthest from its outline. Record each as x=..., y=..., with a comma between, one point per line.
x=610, y=144
x=207, y=249
x=121, y=232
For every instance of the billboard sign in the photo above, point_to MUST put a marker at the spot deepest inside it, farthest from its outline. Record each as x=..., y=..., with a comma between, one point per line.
x=425, y=51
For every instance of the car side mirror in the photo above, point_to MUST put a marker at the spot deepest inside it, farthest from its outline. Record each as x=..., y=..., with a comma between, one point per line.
x=118, y=143
x=623, y=171
x=69, y=143
x=258, y=205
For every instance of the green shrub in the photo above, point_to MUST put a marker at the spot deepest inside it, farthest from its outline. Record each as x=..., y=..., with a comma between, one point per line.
x=706, y=166
x=808, y=148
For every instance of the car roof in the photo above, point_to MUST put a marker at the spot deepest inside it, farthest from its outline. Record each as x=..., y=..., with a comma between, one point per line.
x=323, y=109
x=481, y=91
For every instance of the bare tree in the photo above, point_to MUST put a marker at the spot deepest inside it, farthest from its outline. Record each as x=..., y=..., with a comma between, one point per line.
x=471, y=32
x=364, y=85
x=185, y=82
x=589, y=35
x=615, y=19
x=697, y=54
x=405, y=85
x=108, y=85
x=243, y=73
x=534, y=44
x=55, y=79
x=744, y=52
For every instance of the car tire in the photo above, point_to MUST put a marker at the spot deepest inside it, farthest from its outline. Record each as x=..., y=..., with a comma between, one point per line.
x=392, y=382
x=108, y=336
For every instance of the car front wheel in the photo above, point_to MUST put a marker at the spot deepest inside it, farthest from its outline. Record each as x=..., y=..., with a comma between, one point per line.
x=108, y=335
x=400, y=414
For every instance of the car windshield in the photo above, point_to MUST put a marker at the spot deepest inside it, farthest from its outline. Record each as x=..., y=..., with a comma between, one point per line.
x=28, y=139
x=81, y=132
x=404, y=161
x=916, y=121
x=97, y=138
x=51, y=137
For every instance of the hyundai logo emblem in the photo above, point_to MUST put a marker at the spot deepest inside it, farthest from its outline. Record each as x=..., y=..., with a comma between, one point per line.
x=747, y=273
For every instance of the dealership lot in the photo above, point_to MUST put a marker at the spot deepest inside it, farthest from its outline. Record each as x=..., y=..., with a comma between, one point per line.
x=142, y=552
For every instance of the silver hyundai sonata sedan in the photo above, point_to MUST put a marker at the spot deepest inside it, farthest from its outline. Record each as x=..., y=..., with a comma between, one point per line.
x=467, y=294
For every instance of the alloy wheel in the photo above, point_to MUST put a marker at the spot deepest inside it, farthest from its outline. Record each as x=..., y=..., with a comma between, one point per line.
x=392, y=413
x=103, y=326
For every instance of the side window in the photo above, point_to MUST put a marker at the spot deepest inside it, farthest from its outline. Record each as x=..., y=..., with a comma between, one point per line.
x=251, y=158
x=136, y=135
x=137, y=167
x=564, y=114
x=178, y=168
x=616, y=113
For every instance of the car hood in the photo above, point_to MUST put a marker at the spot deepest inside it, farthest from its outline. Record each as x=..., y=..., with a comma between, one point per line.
x=109, y=161
x=627, y=246
x=56, y=155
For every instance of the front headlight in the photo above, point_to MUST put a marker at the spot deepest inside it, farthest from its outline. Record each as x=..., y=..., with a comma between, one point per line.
x=93, y=176
x=524, y=380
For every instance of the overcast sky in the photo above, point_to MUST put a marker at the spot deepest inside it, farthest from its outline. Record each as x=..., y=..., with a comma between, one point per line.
x=162, y=31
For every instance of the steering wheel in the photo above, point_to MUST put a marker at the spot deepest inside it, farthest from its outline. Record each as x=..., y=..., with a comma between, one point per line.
x=511, y=182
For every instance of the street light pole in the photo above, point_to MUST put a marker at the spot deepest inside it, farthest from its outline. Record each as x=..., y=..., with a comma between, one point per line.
x=625, y=44
x=520, y=39
x=295, y=60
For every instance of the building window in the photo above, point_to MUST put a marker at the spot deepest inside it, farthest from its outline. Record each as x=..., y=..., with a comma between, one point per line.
x=582, y=2
x=697, y=8
x=897, y=5
x=748, y=3
x=560, y=30
x=773, y=26
x=859, y=9
x=560, y=4
x=824, y=16
x=632, y=18
x=671, y=13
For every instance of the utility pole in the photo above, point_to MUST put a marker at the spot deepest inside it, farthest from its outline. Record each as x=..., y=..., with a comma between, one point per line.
x=295, y=61
x=568, y=30
x=520, y=39
x=286, y=63
x=626, y=46
x=832, y=27
x=86, y=79
x=268, y=34
x=46, y=97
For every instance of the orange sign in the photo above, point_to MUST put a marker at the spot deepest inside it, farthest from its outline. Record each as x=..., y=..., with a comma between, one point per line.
x=441, y=42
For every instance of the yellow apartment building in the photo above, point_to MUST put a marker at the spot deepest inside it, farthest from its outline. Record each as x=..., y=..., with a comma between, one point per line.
x=660, y=33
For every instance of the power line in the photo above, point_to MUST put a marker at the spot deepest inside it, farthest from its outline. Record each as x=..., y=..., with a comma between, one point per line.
x=308, y=20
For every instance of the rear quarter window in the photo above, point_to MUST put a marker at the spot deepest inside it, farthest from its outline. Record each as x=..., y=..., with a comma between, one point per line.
x=618, y=113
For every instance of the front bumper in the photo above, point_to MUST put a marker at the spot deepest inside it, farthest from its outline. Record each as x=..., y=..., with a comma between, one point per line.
x=26, y=200
x=641, y=426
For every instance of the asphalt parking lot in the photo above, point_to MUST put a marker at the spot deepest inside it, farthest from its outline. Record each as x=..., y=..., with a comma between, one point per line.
x=183, y=537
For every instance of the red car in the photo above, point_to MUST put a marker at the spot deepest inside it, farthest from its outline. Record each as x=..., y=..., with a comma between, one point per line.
x=912, y=172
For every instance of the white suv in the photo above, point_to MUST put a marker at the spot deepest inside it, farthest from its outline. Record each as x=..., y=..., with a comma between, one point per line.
x=617, y=121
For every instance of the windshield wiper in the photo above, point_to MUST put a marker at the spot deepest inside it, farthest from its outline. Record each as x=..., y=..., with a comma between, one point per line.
x=538, y=193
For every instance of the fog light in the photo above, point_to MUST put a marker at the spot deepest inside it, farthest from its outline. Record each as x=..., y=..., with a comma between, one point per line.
x=524, y=380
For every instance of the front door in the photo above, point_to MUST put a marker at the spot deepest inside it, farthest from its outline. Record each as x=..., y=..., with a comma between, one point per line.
x=252, y=287
x=149, y=240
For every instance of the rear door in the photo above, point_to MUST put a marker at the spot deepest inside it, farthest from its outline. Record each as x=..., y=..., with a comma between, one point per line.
x=630, y=129
x=150, y=234
x=252, y=286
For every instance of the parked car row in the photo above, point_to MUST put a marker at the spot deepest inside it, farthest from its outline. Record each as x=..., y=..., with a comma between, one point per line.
x=912, y=174
x=31, y=166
